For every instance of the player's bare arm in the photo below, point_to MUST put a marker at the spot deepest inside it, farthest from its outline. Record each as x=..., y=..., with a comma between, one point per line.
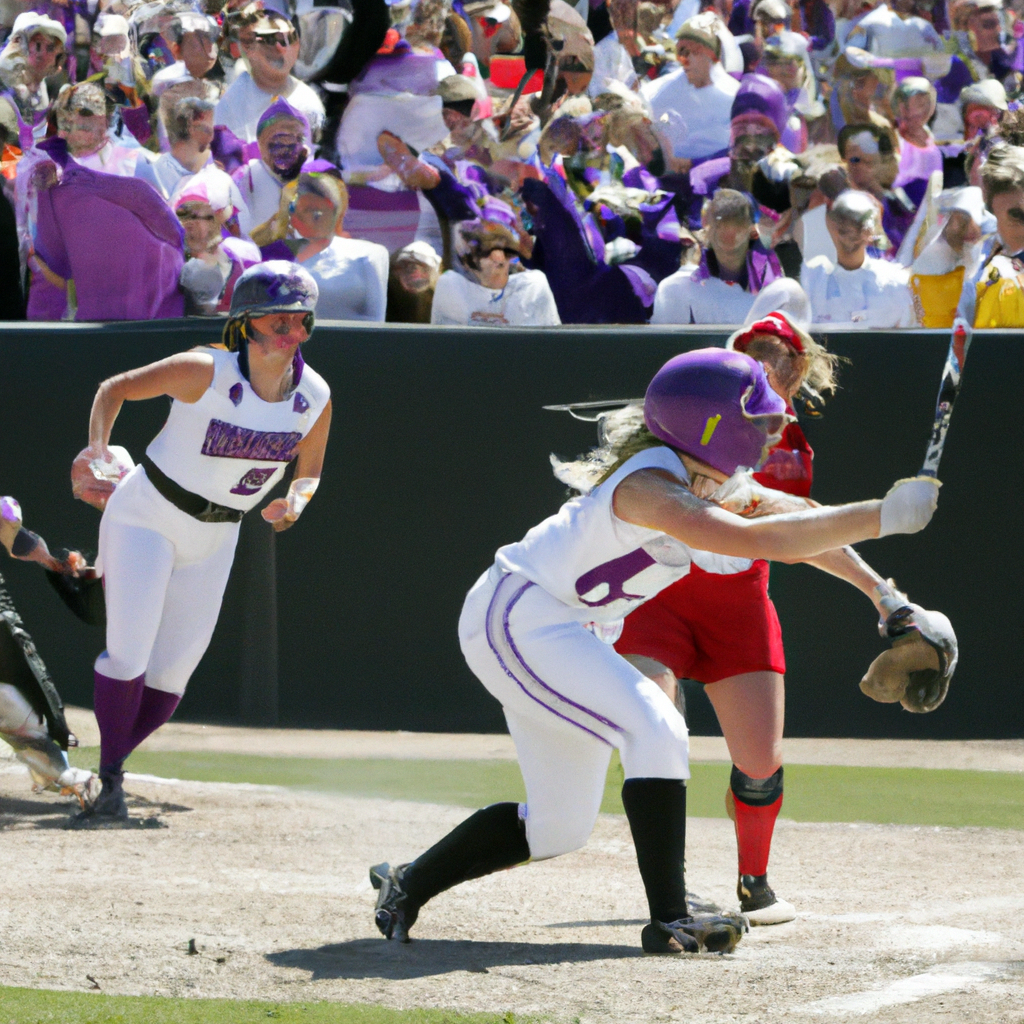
x=659, y=501
x=281, y=513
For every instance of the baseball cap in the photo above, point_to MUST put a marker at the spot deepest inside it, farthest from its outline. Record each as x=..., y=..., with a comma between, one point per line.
x=111, y=25
x=494, y=10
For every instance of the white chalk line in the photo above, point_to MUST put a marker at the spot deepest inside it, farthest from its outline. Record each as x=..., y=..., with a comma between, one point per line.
x=939, y=980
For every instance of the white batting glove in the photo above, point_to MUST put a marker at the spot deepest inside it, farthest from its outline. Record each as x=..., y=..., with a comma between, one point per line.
x=909, y=505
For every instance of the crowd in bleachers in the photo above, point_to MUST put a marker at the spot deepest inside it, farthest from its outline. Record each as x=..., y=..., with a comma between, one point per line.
x=527, y=163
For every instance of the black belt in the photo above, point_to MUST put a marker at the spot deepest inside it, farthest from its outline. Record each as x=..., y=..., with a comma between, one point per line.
x=194, y=504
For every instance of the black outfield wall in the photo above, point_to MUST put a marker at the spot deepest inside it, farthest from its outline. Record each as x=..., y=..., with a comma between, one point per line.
x=439, y=454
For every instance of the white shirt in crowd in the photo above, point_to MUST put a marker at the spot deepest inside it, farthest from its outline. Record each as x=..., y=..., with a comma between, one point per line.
x=876, y=294
x=240, y=107
x=884, y=33
x=526, y=301
x=681, y=299
x=261, y=194
x=695, y=121
x=165, y=173
x=352, y=276
x=611, y=64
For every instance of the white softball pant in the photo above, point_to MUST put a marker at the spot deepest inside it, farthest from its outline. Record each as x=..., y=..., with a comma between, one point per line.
x=164, y=575
x=568, y=700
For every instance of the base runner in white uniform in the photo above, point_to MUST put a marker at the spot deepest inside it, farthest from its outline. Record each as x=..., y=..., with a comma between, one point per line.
x=533, y=627
x=169, y=529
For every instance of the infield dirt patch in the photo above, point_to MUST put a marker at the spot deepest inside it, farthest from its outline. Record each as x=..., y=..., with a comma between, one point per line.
x=897, y=924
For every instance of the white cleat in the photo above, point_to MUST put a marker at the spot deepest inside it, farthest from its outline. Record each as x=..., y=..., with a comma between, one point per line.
x=759, y=904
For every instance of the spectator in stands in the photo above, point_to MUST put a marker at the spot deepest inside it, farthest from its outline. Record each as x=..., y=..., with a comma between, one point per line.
x=913, y=104
x=615, y=55
x=982, y=106
x=114, y=238
x=977, y=41
x=733, y=268
x=953, y=255
x=857, y=289
x=860, y=92
x=192, y=39
x=784, y=58
x=889, y=33
x=84, y=116
x=693, y=106
x=190, y=133
x=271, y=47
x=411, y=283
x=488, y=293
x=994, y=295
x=283, y=136
x=204, y=203
x=870, y=156
x=352, y=274
x=34, y=52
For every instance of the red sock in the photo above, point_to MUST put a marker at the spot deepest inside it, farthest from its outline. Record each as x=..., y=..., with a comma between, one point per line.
x=754, y=828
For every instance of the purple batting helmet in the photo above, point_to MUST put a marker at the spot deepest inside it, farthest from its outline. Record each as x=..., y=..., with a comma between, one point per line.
x=276, y=286
x=716, y=406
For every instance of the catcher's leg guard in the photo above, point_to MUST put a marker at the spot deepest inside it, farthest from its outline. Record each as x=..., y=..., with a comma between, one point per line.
x=754, y=804
x=116, y=703
x=487, y=841
x=656, y=811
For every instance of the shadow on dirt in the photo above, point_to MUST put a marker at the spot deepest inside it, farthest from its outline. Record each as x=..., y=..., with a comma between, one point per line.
x=424, y=958
x=45, y=812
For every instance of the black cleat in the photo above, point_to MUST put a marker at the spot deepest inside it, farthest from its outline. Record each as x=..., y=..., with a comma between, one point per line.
x=396, y=912
x=759, y=902
x=710, y=933
x=110, y=809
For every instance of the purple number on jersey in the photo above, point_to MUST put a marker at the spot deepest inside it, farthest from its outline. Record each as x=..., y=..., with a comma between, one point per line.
x=606, y=583
x=253, y=481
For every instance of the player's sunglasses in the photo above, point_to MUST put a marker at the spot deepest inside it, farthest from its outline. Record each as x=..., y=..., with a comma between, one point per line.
x=269, y=39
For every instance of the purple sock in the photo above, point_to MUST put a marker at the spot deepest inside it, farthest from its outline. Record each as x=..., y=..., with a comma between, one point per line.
x=156, y=707
x=116, y=702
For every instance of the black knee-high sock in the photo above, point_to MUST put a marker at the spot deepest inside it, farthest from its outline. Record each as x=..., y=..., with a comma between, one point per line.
x=656, y=810
x=489, y=840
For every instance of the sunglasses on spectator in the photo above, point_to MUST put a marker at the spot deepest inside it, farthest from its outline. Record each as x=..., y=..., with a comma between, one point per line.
x=989, y=23
x=1016, y=213
x=190, y=215
x=276, y=38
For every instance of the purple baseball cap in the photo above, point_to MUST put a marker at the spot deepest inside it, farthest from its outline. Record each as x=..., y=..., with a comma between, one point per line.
x=716, y=406
x=762, y=96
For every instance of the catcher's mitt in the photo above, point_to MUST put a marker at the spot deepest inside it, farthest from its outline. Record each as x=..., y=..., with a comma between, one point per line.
x=918, y=669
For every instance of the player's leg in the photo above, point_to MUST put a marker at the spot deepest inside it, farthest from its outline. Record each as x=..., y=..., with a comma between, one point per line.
x=137, y=566
x=564, y=771
x=29, y=737
x=194, y=594
x=751, y=711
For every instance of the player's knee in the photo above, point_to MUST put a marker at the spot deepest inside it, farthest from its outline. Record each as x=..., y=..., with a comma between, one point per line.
x=549, y=836
x=118, y=662
x=753, y=791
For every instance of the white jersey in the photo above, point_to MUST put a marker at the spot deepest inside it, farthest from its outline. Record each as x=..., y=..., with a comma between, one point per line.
x=231, y=447
x=588, y=558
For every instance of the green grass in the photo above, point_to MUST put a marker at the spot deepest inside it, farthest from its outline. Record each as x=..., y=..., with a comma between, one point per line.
x=907, y=796
x=32, y=1006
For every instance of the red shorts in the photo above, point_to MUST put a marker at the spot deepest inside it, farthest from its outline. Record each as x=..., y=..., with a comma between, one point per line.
x=708, y=626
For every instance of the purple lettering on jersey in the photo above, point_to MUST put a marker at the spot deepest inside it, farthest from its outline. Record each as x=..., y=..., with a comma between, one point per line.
x=300, y=404
x=609, y=579
x=226, y=441
x=235, y=394
x=253, y=481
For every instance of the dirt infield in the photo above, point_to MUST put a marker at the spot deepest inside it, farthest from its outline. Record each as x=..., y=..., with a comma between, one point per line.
x=897, y=924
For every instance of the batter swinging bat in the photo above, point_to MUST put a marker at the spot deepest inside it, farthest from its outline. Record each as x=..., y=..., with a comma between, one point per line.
x=949, y=388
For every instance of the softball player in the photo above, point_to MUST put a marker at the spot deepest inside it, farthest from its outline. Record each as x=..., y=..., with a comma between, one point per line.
x=531, y=626
x=169, y=529
x=722, y=629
